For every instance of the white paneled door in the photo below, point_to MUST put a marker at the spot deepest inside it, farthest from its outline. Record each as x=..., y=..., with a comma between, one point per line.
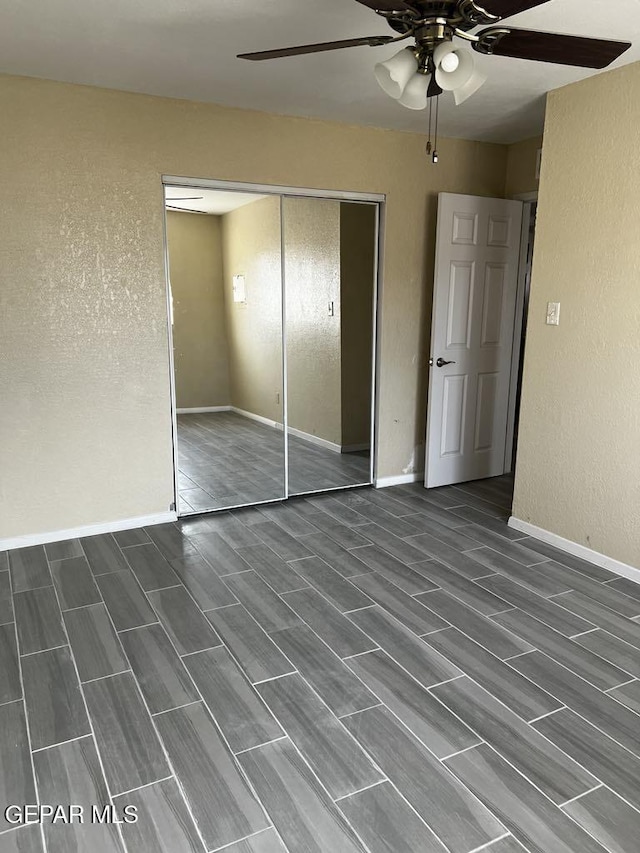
x=474, y=299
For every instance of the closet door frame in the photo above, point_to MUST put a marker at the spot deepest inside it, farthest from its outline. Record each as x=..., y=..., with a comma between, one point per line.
x=377, y=199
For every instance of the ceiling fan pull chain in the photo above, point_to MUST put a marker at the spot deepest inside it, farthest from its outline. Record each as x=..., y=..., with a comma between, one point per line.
x=434, y=156
x=429, y=149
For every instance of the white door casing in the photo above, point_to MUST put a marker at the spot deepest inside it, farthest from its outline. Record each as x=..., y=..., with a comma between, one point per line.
x=474, y=298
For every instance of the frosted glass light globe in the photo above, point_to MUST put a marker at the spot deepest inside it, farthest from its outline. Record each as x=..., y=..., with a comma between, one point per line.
x=450, y=62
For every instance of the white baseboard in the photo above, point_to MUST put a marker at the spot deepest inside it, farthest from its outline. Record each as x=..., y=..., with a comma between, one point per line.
x=355, y=448
x=315, y=439
x=400, y=480
x=202, y=409
x=253, y=417
x=577, y=550
x=88, y=530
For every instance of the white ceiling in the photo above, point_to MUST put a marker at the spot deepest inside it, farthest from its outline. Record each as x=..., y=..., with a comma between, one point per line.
x=199, y=200
x=187, y=48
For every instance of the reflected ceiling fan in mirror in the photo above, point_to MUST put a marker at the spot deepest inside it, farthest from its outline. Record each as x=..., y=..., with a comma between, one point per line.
x=434, y=62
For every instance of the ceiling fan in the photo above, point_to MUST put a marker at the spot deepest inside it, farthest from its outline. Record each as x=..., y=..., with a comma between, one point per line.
x=433, y=63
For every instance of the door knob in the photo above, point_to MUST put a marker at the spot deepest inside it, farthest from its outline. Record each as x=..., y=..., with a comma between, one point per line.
x=441, y=362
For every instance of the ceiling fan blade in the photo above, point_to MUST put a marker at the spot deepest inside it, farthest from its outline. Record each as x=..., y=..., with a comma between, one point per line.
x=372, y=41
x=185, y=198
x=385, y=5
x=507, y=8
x=550, y=47
x=183, y=209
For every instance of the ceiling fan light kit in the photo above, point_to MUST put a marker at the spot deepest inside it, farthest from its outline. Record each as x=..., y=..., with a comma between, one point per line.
x=417, y=75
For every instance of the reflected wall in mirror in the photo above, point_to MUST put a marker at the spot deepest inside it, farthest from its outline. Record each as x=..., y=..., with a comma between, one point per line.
x=224, y=251
x=329, y=261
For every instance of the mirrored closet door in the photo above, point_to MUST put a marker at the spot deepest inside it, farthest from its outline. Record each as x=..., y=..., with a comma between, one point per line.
x=272, y=309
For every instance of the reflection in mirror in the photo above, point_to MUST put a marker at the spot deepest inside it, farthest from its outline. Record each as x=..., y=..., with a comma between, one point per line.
x=329, y=260
x=224, y=253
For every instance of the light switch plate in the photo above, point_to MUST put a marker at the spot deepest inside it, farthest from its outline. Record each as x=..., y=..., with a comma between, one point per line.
x=553, y=313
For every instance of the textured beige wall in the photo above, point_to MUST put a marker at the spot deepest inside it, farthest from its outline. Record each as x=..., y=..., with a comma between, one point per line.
x=199, y=333
x=521, y=167
x=85, y=428
x=251, y=247
x=578, y=463
x=312, y=276
x=357, y=265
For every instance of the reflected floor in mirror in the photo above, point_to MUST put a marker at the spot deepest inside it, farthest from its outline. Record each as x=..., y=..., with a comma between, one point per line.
x=226, y=459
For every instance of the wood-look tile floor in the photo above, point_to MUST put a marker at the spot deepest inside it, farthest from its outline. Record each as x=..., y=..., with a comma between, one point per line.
x=390, y=671
x=227, y=460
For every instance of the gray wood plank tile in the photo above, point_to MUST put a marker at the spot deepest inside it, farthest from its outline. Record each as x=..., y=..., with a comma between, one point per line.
x=611, y=763
x=338, y=510
x=125, y=601
x=584, y=663
x=235, y=706
x=129, y=538
x=164, y=824
x=334, y=756
x=596, y=707
x=221, y=556
x=428, y=510
x=460, y=538
x=481, y=629
x=26, y=839
x=267, y=841
x=344, y=535
x=516, y=692
x=423, y=715
x=160, y=673
x=589, y=609
x=234, y=532
x=286, y=517
x=170, y=541
x=613, y=649
x=455, y=816
x=71, y=773
x=629, y=695
x=394, y=503
x=6, y=603
x=403, y=607
x=421, y=661
x=528, y=814
x=609, y=819
x=95, y=645
x=336, y=685
x=10, y=687
x=64, y=550
x=280, y=576
x=542, y=608
x=183, y=620
x=258, y=656
x=346, y=563
x=444, y=497
x=300, y=808
x=38, y=620
x=4, y=561
x=29, y=568
x=208, y=590
x=387, y=824
x=16, y=776
x=529, y=576
x=339, y=591
x=516, y=550
x=461, y=563
x=281, y=542
x=267, y=608
x=129, y=747
x=74, y=583
x=626, y=586
x=550, y=770
x=220, y=799
x=329, y=624
x=397, y=526
x=394, y=570
x=506, y=845
x=399, y=548
x=150, y=567
x=472, y=515
x=53, y=700
x=103, y=554
x=605, y=594
x=589, y=569
x=462, y=588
